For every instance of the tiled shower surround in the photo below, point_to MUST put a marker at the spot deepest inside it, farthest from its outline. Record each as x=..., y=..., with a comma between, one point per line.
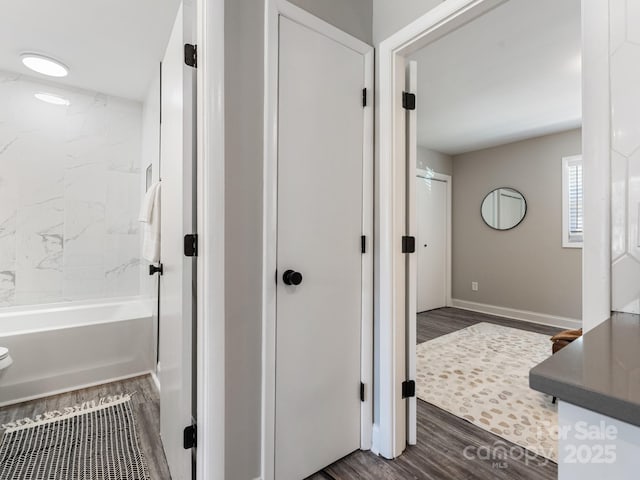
x=625, y=154
x=69, y=194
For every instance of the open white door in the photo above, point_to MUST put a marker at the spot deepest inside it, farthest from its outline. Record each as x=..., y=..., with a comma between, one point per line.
x=412, y=259
x=177, y=219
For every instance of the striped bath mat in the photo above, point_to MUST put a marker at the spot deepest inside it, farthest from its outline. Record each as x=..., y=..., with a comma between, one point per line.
x=93, y=441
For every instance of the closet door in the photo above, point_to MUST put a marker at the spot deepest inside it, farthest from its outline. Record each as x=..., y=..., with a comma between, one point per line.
x=431, y=243
x=319, y=275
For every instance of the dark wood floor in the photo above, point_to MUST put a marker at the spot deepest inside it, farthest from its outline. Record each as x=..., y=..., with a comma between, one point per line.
x=443, y=437
x=146, y=408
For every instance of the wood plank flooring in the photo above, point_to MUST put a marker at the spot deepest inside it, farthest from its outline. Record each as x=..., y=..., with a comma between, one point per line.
x=146, y=408
x=443, y=437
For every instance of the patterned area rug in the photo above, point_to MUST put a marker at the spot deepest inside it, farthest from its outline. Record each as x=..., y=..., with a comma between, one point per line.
x=93, y=441
x=481, y=374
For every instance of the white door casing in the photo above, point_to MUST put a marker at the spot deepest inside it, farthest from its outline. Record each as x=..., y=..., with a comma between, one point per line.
x=275, y=10
x=411, y=86
x=431, y=243
x=176, y=283
x=319, y=212
x=390, y=436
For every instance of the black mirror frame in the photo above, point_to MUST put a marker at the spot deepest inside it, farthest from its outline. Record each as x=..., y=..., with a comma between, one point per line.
x=526, y=209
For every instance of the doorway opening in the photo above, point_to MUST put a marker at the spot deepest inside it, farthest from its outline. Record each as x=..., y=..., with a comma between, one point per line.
x=499, y=118
x=433, y=240
x=103, y=135
x=397, y=178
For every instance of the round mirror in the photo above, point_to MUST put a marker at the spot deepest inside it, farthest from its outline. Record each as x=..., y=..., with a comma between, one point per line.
x=503, y=208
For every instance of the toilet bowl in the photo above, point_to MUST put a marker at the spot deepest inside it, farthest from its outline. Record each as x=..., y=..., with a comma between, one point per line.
x=5, y=358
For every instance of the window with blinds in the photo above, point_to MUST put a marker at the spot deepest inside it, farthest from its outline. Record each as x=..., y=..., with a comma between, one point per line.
x=572, y=205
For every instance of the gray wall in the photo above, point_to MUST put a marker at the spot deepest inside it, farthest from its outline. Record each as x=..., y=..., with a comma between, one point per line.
x=352, y=16
x=436, y=161
x=244, y=46
x=525, y=268
x=389, y=16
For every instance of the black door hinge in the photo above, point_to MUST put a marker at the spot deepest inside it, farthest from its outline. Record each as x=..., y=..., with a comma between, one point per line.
x=153, y=269
x=363, y=244
x=408, y=101
x=364, y=97
x=191, y=55
x=191, y=245
x=408, y=389
x=408, y=244
x=190, y=436
x=361, y=392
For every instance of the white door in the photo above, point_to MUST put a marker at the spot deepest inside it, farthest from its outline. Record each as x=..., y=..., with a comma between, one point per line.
x=431, y=243
x=176, y=291
x=320, y=208
x=409, y=78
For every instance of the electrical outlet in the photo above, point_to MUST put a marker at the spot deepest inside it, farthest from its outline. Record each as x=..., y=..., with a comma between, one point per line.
x=474, y=286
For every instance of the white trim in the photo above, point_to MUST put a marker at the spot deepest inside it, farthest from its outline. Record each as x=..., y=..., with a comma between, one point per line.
x=366, y=349
x=596, y=164
x=273, y=10
x=526, y=315
x=210, y=356
x=566, y=161
x=269, y=238
x=156, y=380
x=76, y=387
x=412, y=260
x=448, y=180
x=442, y=19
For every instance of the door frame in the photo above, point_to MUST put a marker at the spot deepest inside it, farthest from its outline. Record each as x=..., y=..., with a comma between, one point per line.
x=210, y=201
x=273, y=10
x=389, y=431
x=430, y=174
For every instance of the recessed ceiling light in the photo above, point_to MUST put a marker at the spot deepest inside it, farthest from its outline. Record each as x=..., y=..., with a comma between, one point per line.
x=44, y=65
x=53, y=99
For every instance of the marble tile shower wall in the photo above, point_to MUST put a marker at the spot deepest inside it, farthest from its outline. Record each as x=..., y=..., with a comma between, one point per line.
x=69, y=194
x=625, y=154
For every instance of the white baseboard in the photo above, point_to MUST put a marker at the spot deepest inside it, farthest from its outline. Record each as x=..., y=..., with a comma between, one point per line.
x=533, y=317
x=375, y=439
x=156, y=380
x=74, y=388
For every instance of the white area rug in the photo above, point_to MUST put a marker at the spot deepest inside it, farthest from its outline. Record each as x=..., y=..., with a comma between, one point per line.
x=96, y=440
x=481, y=374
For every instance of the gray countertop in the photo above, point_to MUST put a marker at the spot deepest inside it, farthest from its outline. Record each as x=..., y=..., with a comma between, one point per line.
x=599, y=372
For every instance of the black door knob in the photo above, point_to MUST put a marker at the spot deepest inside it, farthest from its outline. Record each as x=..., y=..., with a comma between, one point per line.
x=153, y=269
x=291, y=277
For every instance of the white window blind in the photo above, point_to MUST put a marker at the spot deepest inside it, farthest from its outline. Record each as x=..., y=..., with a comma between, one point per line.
x=575, y=201
x=572, y=201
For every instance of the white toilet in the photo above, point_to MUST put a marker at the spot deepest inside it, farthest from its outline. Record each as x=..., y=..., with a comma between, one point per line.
x=5, y=358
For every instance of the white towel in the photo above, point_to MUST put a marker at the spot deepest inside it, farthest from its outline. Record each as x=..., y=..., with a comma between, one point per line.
x=150, y=216
x=146, y=209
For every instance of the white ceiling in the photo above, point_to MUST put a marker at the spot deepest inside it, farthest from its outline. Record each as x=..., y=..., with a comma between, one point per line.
x=110, y=46
x=513, y=73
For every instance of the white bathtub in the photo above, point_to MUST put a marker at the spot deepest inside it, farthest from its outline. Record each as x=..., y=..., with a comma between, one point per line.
x=63, y=347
